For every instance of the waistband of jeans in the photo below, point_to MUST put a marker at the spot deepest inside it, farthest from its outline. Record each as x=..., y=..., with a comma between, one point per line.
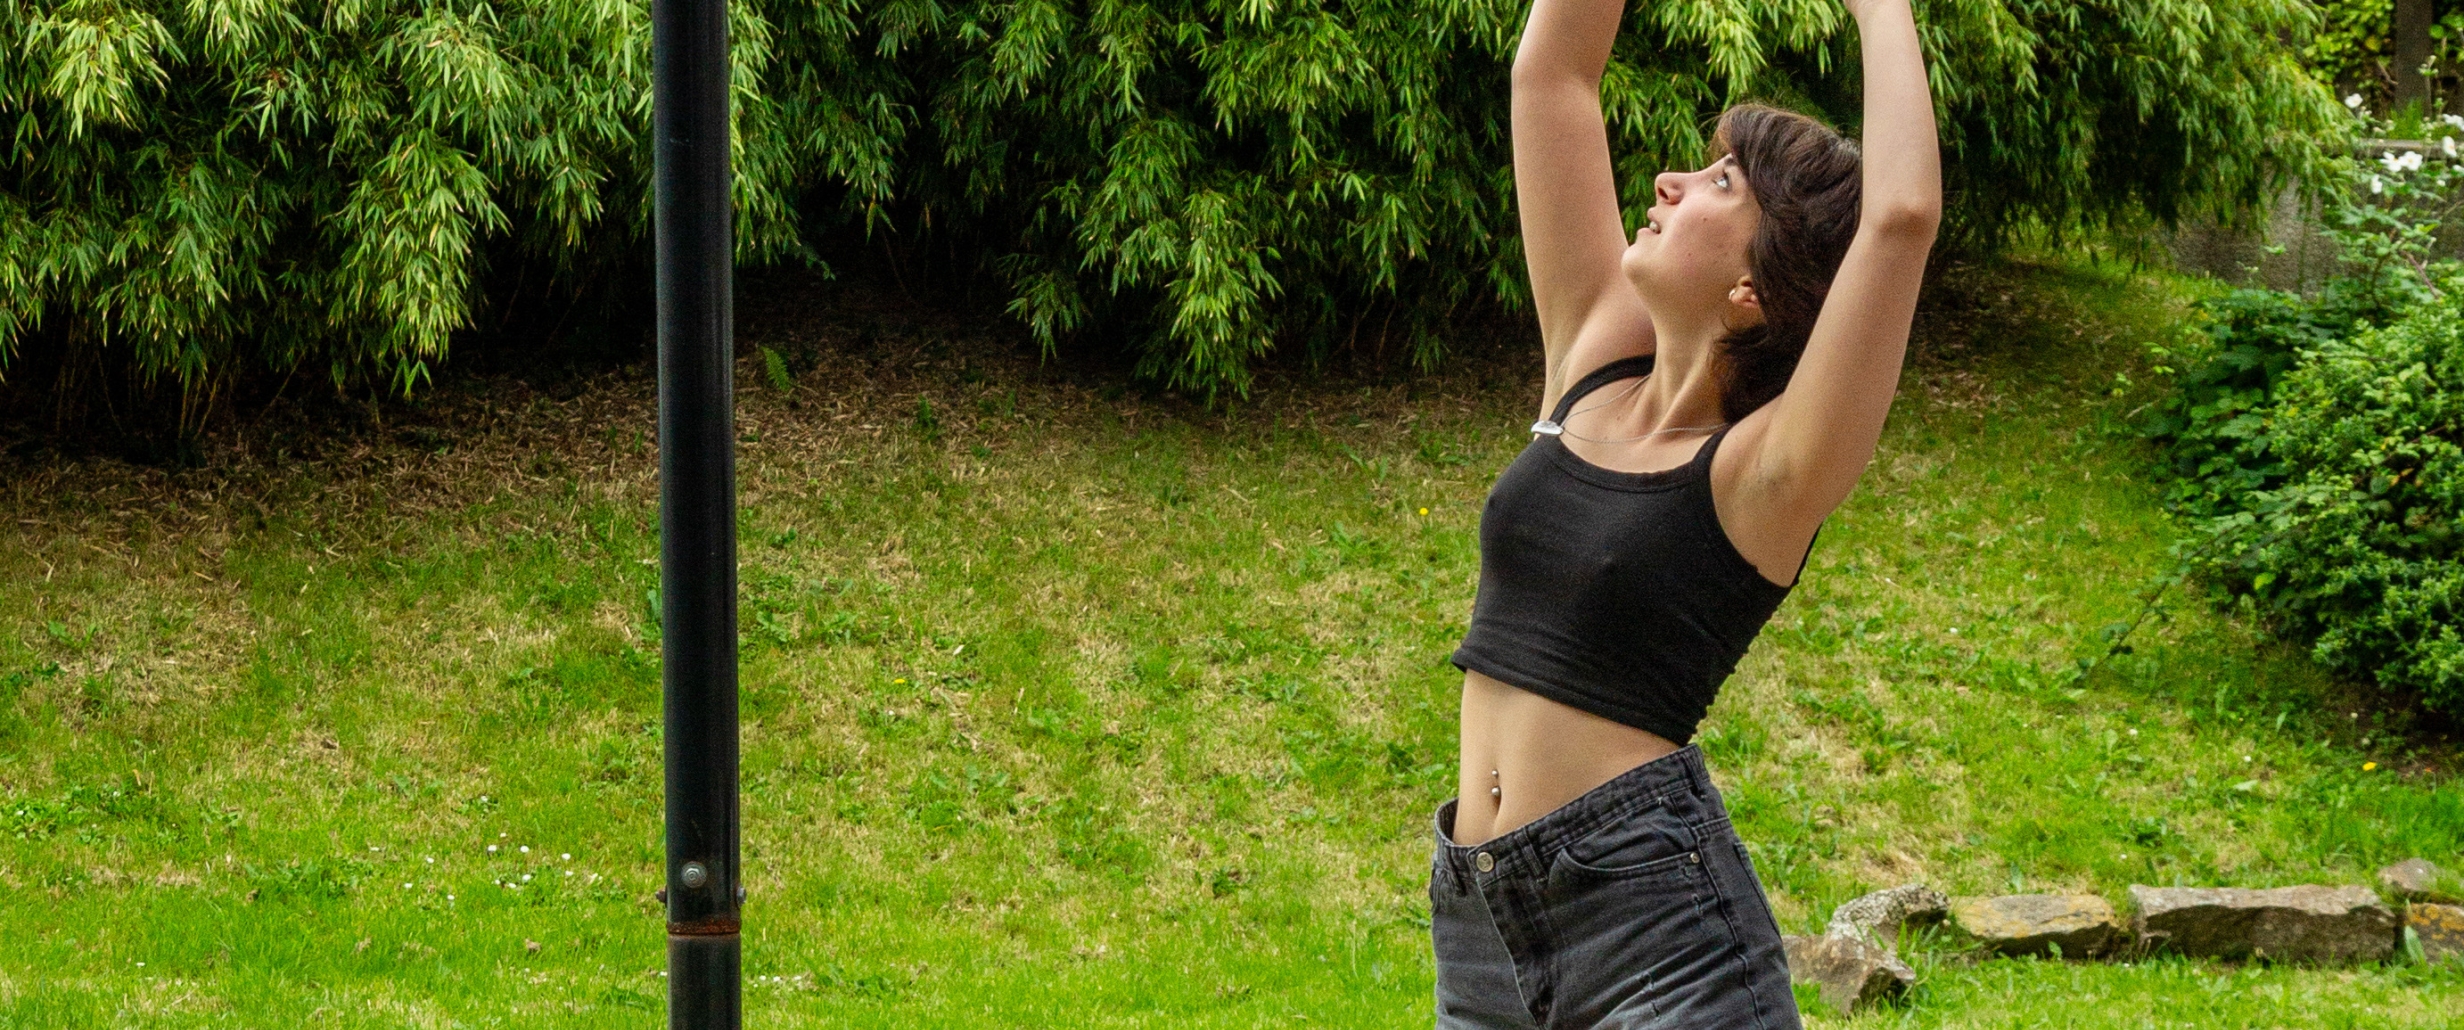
x=1528, y=849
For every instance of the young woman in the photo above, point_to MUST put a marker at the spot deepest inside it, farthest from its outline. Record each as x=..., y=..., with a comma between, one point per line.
x=1714, y=388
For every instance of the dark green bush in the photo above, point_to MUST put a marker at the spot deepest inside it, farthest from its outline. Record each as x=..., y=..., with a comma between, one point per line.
x=246, y=182
x=2217, y=424
x=2360, y=550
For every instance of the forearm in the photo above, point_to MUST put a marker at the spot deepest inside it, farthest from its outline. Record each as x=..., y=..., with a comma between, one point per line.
x=1567, y=41
x=1903, y=156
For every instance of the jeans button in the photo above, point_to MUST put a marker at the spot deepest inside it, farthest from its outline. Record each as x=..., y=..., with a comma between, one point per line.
x=1483, y=862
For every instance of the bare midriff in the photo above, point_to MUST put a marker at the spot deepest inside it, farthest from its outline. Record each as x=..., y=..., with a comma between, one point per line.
x=1525, y=755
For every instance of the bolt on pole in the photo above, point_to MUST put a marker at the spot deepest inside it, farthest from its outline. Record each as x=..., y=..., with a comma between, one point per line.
x=697, y=511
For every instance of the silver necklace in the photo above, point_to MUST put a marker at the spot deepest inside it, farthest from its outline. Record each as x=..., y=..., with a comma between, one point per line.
x=1552, y=427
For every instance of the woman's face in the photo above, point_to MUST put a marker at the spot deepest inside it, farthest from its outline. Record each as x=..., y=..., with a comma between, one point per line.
x=1691, y=251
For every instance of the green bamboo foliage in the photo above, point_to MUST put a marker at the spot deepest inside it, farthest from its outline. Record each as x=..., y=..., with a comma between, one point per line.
x=289, y=182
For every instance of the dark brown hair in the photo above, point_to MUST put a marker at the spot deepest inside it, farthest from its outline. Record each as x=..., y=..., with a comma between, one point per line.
x=1807, y=178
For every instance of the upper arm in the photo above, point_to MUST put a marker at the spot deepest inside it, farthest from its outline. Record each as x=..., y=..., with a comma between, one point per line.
x=1566, y=191
x=1821, y=431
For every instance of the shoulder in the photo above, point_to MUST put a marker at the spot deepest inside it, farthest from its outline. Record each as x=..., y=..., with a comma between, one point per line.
x=1583, y=362
x=1610, y=333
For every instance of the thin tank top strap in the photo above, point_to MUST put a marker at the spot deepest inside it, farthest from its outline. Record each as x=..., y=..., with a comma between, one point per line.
x=1702, y=455
x=1621, y=368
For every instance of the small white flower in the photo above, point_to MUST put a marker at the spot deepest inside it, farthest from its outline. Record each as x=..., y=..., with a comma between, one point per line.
x=525, y=877
x=406, y=886
x=432, y=860
x=2353, y=101
x=568, y=856
x=2446, y=145
x=526, y=849
x=492, y=847
x=2453, y=120
x=2375, y=187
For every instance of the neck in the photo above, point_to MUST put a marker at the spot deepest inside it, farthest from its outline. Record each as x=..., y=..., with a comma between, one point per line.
x=1685, y=384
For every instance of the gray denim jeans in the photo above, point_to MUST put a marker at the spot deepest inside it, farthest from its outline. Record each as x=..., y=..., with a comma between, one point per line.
x=1632, y=906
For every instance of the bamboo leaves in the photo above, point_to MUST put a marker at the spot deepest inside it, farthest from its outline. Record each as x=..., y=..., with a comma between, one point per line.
x=100, y=55
x=286, y=180
x=405, y=268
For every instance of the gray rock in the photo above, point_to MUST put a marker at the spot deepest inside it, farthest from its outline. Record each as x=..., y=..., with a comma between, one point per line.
x=2415, y=879
x=1877, y=918
x=1850, y=975
x=2081, y=925
x=2440, y=929
x=2286, y=924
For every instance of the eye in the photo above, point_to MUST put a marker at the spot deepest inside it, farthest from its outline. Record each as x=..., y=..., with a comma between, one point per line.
x=1723, y=180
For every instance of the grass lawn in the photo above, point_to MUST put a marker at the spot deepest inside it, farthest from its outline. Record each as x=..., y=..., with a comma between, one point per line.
x=1066, y=705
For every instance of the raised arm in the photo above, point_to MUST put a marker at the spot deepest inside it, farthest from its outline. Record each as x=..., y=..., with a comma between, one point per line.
x=1824, y=426
x=1566, y=190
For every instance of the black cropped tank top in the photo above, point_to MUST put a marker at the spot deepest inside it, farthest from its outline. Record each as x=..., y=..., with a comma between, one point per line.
x=1615, y=592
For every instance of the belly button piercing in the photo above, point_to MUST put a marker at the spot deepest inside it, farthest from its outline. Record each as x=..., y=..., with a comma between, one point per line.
x=1493, y=791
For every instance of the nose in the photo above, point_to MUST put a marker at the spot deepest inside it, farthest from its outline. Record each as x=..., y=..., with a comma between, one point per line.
x=1667, y=186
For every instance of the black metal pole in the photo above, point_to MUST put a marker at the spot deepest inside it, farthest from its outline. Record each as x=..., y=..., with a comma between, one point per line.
x=697, y=510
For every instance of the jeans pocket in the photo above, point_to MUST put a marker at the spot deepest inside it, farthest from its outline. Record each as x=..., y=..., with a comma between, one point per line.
x=1637, y=944
x=1630, y=845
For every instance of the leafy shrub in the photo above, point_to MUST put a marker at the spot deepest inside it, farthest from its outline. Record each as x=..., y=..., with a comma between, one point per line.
x=2361, y=549
x=2318, y=439
x=221, y=181
x=2214, y=424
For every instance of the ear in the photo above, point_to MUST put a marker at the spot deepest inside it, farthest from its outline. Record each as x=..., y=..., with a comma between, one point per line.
x=1743, y=295
x=1744, y=304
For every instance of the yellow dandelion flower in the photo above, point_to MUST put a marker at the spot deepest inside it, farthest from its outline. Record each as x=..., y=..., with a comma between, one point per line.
x=1424, y=511
x=2369, y=766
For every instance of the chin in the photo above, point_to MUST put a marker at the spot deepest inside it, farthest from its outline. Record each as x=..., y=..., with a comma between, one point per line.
x=1636, y=264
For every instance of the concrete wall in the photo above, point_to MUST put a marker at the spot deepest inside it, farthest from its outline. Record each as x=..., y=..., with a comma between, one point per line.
x=2240, y=256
